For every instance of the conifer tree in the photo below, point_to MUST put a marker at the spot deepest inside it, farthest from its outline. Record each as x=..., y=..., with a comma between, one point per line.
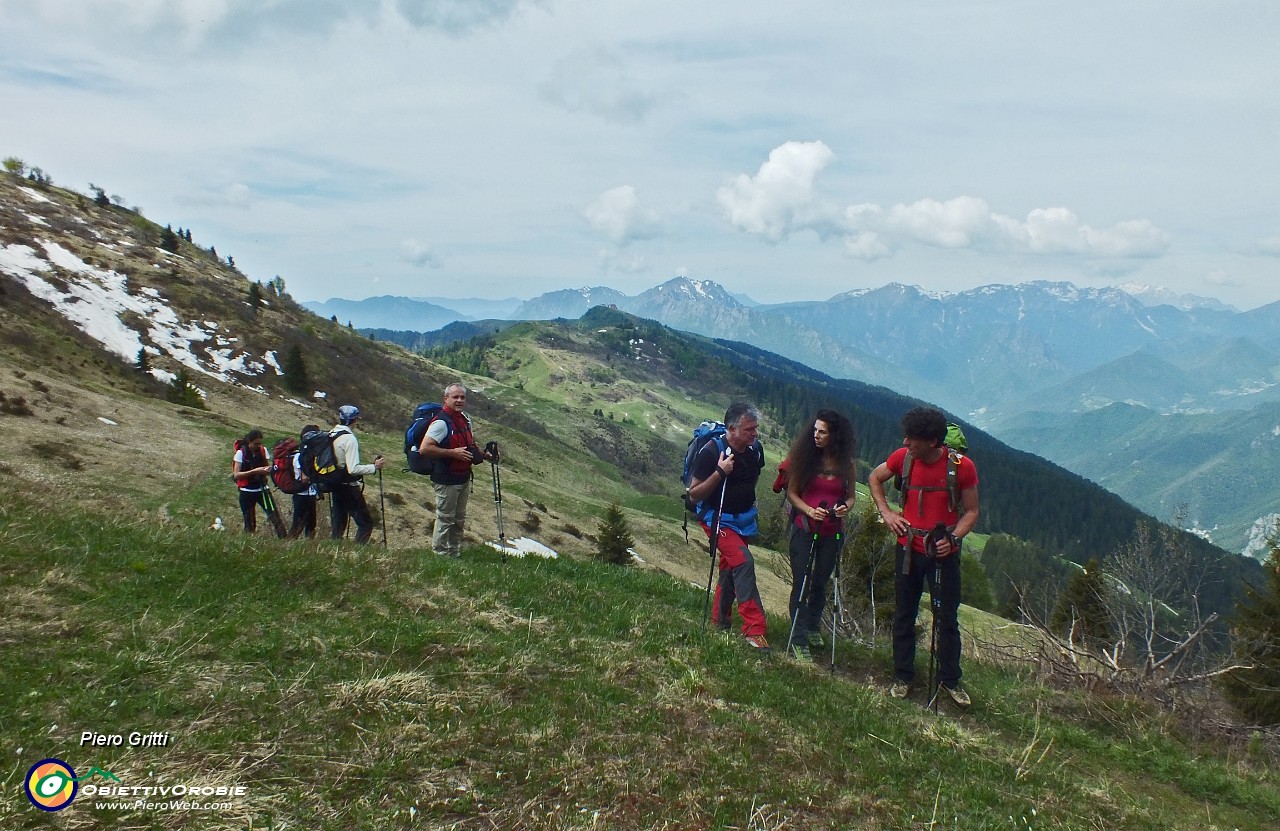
x=1083, y=603
x=169, y=240
x=144, y=362
x=296, y=378
x=1255, y=692
x=183, y=392
x=255, y=295
x=613, y=539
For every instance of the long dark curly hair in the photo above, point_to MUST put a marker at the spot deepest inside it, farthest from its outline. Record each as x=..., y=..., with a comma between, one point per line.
x=804, y=461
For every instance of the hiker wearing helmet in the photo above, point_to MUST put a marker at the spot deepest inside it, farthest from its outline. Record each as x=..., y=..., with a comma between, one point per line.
x=723, y=485
x=939, y=507
x=348, y=502
x=451, y=446
x=821, y=471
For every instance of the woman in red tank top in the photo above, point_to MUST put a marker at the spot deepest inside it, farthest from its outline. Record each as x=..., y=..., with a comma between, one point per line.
x=821, y=472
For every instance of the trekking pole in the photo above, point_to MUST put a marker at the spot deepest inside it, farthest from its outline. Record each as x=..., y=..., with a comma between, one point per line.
x=837, y=607
x=804, y=585
x=931, y=551
x=492, y=449
x=382, y=508
x=715, y=540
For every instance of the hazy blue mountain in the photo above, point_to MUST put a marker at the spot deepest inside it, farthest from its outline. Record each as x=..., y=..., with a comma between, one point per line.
x=478, y=308
x=387, y=312
x=570, y=304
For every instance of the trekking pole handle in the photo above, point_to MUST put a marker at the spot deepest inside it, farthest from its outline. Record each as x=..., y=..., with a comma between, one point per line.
x=492, y=449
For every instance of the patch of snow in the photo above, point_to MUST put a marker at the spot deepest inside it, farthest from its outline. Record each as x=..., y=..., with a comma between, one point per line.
x=95, y=300
x=34, y=196
x=106, y=420
x=523, y=546
x=302, y=404
x=320, y=395
x=36, y=220
x=270, y=358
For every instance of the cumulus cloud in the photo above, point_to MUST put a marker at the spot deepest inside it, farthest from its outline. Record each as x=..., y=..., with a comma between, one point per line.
x=780, y=199
x=597, y=83
x=618, y=214
x=418, y=254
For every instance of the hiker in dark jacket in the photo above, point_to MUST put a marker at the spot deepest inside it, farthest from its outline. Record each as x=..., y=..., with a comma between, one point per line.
x=250, y=466
x=821, y=473
x=347, y=499
x=304, y=502
x=716, y=471
x=450, y=444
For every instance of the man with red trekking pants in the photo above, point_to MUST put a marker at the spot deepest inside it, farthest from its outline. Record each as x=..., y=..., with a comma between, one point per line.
x=723, y=485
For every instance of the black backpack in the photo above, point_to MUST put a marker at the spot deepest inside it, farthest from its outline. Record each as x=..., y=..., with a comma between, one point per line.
x=319, y=462
x=423, y=415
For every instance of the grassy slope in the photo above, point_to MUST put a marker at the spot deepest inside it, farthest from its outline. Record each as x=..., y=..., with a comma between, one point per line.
x=346, y=688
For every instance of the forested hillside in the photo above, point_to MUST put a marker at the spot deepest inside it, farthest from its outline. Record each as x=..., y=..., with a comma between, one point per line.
x=1022, y=495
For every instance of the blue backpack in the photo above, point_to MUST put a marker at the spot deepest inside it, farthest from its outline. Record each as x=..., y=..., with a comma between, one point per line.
x=423, y=415
x=703, y=433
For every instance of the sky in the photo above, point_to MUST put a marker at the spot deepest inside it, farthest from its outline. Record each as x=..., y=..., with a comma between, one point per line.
x=788, y=151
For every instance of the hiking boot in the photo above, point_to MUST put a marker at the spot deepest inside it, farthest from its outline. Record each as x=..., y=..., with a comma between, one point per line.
x=900, y=689
x=958, y=695
x=801, y=653
x=721, y=627
x=816, y=641
x=758, y=643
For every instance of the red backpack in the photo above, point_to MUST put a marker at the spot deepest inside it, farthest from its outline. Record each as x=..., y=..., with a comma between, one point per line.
x=282, y=466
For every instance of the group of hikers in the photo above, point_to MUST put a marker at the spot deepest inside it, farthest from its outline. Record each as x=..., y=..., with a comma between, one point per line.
x=938, y=508
x=329, y=461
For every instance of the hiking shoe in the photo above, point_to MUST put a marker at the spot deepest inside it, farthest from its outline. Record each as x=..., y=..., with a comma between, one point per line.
x=758, y=643
x=721, y=627
x=957, y=694
x=801, y=653
x=900, y=689
x=816, y=641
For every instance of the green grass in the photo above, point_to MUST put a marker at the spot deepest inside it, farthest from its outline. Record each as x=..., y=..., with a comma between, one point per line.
x=359, y=688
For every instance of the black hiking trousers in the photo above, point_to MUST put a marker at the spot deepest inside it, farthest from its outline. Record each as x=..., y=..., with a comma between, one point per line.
x=347, y=503
x=945, y=592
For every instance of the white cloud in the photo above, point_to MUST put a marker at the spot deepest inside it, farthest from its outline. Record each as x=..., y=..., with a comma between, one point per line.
x=419, y=254
x=780, y=198
x=618, y=214
x=1270, y=246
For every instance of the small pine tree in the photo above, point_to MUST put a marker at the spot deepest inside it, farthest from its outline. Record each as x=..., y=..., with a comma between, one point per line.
x=144, y=362
x=296, y=379
x=613, y=539
x=183, y=392
x=169, y=240
x=1084, y=603
x=1256, y=643
x=255, y=295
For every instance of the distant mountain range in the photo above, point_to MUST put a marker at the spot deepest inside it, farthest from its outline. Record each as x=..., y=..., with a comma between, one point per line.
x=1001, y=356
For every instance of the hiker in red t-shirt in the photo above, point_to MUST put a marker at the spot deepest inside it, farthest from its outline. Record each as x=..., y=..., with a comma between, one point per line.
x=929, y=500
